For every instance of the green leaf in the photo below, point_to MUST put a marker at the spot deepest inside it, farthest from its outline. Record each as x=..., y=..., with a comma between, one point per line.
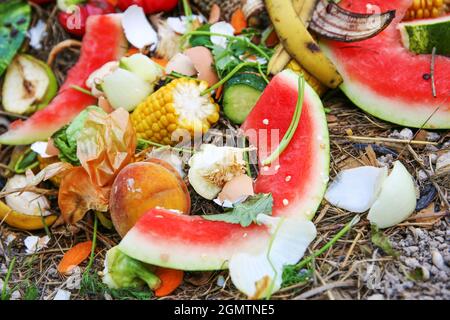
x=245, y=213
x=15, y=18
x=416, y=275
x=293, y=276
x=201, y=40
x=65, y=139
x=27, y=161
x=380, y=240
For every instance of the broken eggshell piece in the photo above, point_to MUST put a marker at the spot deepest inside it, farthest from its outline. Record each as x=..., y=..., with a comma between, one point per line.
x=235, y=191
x=221, y=27
x=397, y=199
x=181, y=63
x=356, y=189
x=138, y=30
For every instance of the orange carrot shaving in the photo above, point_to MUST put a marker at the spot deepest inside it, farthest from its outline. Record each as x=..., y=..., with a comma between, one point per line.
x=161, y=61
x=131, y=51
x=170, y=280
x=238, y=21
x=76, y=255
x=219, y=92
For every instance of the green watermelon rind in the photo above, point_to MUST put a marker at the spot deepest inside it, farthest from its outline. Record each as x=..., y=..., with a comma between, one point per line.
x=422, y=36
x=217, y=257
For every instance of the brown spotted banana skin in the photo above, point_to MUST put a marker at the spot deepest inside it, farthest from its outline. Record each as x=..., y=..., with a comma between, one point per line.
x=300, y=44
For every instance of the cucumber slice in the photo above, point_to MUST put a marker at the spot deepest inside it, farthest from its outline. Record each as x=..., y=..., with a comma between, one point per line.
x=241, y=94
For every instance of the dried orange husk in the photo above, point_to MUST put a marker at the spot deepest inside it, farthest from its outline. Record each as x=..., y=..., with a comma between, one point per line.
x=77, y=195
x=105, y=145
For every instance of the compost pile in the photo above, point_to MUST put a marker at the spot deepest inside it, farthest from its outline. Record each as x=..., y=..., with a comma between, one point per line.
x=224, y=149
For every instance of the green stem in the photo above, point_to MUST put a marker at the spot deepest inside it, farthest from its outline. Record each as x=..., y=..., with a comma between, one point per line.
x=229, y=75
x=251, y=44
x=272, y=239
x=175, y=74
x=328, y=245
x=262, y=74
x=83, y=90
x=94, y=244
x=166, y=146
x=8, y=276
x=187, y=9
x=292, y=127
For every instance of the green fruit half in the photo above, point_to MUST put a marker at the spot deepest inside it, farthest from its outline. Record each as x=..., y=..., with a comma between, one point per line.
x=29, y=85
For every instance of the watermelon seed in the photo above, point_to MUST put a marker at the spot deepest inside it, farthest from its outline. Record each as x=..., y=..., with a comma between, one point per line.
x=426, y=76
x=285, y=202
x=288, y=178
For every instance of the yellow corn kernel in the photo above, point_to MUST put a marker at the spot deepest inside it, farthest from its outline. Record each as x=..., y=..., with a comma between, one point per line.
x=177, y=105
x=423, y=9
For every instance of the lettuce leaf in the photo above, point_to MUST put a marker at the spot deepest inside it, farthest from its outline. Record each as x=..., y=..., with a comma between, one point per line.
x=65, y=139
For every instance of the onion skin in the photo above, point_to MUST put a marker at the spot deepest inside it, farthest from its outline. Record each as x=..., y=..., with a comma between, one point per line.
x=330, y=21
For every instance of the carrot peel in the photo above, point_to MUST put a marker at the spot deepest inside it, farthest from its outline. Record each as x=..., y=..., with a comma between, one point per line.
x=170, y=280
x=76, y=255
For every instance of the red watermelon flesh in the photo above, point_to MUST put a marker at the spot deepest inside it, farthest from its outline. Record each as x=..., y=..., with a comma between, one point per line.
x=168, y=239
x=104, y=41
x=385, y=79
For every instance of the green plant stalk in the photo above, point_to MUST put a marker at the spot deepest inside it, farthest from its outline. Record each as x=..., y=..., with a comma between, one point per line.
x=246, y=159
x=47, y=230
x=229, y=76
x=329, y=244
x=187, y=9
x=175, y=74
x=292, y=127
x=94, y=244
x=251, y=44
x=262, y=74
x=82, y=90
x=166, y=146
x=275, y=272
x=8, y=276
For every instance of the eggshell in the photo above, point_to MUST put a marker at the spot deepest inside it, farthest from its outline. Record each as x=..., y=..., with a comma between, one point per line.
x=203, y=60
x=236, y=189
x=181, y=63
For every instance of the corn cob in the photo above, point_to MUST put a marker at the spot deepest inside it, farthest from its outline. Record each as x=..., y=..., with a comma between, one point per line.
x=313, y=82
x=178, y=105
x=422, y=9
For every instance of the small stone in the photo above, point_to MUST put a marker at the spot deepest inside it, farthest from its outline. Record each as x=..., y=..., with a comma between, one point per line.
x=443, y=163
x=405, y=134
x=62, y=295
x=376, y=297
x=433, y=136
x=412, y=262
x=220, y=281
x=16, y=295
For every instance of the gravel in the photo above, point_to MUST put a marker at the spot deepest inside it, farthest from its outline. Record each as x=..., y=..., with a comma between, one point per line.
x=423, y=252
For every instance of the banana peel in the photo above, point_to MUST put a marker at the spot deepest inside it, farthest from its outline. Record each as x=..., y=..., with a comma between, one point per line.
x=23, y=221
x=298, y=42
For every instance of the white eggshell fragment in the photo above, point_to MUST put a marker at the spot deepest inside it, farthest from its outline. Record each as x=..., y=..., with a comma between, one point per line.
x=181, y=63
x=356, y=189
x=138, y=31
x=221, y=27
x=397, y=199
